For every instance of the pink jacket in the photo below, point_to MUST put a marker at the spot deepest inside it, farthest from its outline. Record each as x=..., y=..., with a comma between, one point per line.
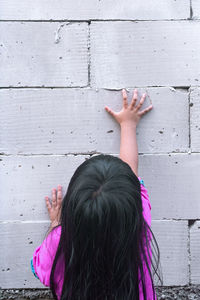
x=43, y=255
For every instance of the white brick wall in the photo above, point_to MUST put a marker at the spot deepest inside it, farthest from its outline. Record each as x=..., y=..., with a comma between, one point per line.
x=61, y=63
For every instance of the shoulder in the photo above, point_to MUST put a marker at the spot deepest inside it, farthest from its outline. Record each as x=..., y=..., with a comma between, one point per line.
x=43, y=256
x=144, y=192
x=145, y=202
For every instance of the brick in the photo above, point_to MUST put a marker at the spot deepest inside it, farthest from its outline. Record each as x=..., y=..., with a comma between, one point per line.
x=90, y=9
x=44, y=54
x=59, y=121
x=18, y=242
x=26, y=180
x=194, y=252
x=172, y=182
x=195, y=119
x=170, y=186
x=172, y=238
x=196, y=9
x=144, y=53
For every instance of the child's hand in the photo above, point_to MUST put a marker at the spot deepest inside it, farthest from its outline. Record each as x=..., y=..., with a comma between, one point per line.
x=129, y=113
x=54, y=207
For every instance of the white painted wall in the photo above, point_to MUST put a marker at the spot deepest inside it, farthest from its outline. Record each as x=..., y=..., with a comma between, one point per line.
x=61, y=63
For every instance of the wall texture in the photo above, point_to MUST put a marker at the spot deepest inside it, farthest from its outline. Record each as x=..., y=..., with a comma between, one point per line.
x=61, y=63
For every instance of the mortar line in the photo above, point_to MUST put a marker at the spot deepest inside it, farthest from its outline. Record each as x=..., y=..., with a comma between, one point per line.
x=89, y=55
x=189, y=119
x=100, y=20
x=189, y=255
x=191, y=10
x=98, y=88
x=96, y=152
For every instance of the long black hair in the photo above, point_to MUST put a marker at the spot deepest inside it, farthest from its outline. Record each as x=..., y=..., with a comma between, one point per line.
x=105, y=240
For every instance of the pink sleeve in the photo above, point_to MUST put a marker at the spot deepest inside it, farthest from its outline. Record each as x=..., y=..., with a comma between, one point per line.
x=43, y=256
x=145, y=202
x=147, y=216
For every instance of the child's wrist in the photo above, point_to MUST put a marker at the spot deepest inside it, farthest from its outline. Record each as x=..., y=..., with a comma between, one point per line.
x=128, y=124
x=54, y=223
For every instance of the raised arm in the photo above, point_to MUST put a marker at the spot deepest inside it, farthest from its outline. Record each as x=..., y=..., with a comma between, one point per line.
x=128, y=146
x=128, y=118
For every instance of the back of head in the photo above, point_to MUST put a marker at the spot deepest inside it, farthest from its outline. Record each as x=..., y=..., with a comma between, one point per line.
x=102, y=232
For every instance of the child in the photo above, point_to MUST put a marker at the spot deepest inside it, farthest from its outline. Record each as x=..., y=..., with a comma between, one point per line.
x=99, y=247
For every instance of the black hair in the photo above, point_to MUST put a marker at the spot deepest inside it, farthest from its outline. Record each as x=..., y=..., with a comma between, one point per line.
x=105, y=240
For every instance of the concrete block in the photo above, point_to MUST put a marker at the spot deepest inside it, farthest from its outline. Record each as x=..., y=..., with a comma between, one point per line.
x=173, y=184
x=93, y=9
x=25, y=181
x=172, y=238
x=194, y=252
x=196, y=9
x=44, y=54
x=195, y=119
x=59, y=121
x=15, y=271
x=18, y=242
x=145, y=53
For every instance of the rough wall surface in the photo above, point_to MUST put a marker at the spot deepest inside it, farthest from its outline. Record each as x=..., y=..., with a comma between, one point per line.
x=61, y=63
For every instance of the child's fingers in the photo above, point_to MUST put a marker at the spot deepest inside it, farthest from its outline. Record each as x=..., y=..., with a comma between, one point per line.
x=144, y=111
x=141, y=102
x=48, y=204
x=135, y=95
x=110, y=111
x=59, y=195
x=125, y=102
x=54, y=198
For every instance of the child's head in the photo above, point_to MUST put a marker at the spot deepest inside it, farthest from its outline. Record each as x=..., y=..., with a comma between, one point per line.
x=103, y=231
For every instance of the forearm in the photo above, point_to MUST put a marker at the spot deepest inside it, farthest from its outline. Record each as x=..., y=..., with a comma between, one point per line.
x=128, y=146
